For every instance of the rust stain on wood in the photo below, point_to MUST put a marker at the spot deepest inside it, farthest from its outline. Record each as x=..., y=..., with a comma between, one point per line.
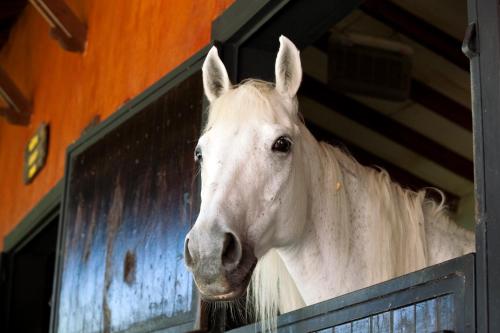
x=106, y=314
x=89, y=235
x=129, y=264
x=113, y=224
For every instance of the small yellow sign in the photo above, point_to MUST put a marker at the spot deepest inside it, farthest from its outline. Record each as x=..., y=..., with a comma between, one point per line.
x=33, y=143
x=32, y=158
x=32, y=171
x=35, y=153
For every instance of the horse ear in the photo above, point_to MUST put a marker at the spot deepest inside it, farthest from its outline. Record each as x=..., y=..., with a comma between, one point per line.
x=215, y=78
x=288, y=68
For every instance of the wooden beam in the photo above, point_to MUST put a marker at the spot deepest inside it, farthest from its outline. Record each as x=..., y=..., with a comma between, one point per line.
x=18, y=111
x=417, y=29
x=387, y=127
x=426, y=96
x=9, y=12
x=399, y=175
x=65, y=26
x=441, y=104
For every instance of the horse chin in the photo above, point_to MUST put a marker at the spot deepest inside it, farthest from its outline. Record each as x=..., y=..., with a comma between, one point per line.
x=230, y=296
x=237, y=289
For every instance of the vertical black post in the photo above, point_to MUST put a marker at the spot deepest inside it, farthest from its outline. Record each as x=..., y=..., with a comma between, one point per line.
x=4, y=299
x=484, y=53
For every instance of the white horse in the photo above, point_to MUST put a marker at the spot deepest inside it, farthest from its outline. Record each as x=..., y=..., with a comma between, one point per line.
x=303, y=217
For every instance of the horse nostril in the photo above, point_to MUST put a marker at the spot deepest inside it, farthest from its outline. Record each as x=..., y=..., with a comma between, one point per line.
x=231, y=251
x=187, y=255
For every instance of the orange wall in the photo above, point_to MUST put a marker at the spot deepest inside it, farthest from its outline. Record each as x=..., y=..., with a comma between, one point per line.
x=131, y=44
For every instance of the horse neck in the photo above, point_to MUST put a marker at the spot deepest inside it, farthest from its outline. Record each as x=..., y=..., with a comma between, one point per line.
x=342, y=248
x=319, y=260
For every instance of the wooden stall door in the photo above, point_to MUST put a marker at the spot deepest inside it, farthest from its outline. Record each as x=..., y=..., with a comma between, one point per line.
x=130, y=199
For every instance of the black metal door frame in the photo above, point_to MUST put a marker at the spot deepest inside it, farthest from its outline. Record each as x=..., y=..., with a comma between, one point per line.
x=29, y=227
x=483, y=48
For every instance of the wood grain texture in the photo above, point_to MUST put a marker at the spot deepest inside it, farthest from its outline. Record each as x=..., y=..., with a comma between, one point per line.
x=433, y=315
x=131, y=44
x=132, y=198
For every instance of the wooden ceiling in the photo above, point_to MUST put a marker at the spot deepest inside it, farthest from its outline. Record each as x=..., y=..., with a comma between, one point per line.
x=425, y=140
x=9, y=12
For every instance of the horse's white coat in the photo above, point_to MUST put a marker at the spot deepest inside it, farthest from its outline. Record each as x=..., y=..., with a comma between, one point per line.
x=315, y=214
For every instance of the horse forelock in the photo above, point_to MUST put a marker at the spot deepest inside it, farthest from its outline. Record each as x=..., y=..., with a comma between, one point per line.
x=251, y=100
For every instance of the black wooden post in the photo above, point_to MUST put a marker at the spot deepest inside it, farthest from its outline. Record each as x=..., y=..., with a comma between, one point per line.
x=483, y=48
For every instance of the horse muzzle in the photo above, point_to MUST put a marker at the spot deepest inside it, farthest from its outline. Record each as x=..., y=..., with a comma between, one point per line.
x=221, y=263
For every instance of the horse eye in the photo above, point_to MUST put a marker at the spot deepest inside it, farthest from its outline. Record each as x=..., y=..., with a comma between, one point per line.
x=282, y=144
x=198, y=157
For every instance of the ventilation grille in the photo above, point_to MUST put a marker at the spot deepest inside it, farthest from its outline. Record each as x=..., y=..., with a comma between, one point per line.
x=369, y=66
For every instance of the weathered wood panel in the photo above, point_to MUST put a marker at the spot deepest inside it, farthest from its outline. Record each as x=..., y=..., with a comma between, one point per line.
x=345, y=328
x=362, y=325
x=425, y=317
x=381, y=323
x=131, y=45
x=131, y=199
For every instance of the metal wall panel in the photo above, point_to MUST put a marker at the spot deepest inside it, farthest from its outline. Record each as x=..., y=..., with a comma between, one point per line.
x=483, y=48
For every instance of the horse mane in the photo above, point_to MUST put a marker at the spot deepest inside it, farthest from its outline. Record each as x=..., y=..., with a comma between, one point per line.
x=399, y=245
x=272, y=291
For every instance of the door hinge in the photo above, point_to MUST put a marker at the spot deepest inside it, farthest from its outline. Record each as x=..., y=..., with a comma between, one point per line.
x=469, y=45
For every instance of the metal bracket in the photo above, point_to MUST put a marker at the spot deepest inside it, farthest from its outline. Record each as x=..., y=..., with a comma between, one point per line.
x=469, y=45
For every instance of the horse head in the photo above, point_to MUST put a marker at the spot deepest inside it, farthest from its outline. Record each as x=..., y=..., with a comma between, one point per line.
x=253, y=175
